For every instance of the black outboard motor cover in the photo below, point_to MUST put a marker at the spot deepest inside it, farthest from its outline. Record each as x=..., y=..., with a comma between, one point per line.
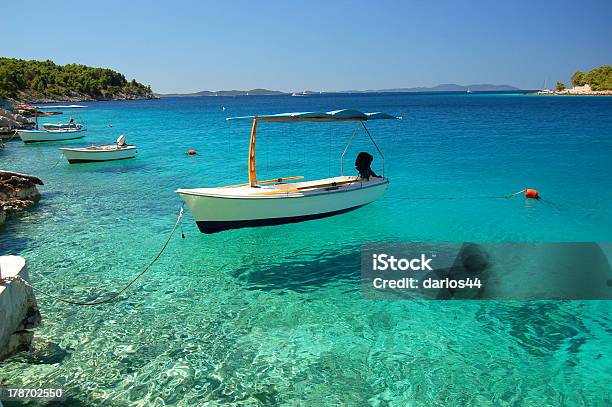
x=363, y=164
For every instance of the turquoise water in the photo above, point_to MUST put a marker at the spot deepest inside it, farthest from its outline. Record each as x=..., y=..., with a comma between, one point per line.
x=273, y=316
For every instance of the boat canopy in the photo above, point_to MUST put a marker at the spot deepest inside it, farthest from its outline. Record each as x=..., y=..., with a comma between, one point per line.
x=335, y=115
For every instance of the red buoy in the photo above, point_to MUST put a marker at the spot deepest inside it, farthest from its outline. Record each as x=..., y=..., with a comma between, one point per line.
x=532, y=193
x=191, y=152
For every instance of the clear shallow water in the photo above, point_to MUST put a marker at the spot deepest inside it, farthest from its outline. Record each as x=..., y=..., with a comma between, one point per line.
x=274, y=315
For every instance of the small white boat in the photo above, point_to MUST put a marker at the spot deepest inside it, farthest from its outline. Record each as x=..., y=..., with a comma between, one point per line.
x=35, y=136
x=117, y=151
x=275, y=202
x=62, y=126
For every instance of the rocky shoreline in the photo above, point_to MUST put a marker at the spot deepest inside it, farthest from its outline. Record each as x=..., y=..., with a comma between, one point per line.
x=18, y=193
x=19, y=117
x=22, y=111
x=15, y=119
x=567, y=92
x=584, y=90
x=80, y=97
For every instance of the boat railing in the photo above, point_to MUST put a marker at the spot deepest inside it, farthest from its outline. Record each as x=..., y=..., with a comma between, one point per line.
x=351, y=141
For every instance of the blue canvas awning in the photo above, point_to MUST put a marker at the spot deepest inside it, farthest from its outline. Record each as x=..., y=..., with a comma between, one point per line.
x=340, y=115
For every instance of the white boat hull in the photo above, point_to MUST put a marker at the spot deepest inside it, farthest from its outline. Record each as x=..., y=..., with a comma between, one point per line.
x=219, y=209
x=35, y=136
x=88, y=155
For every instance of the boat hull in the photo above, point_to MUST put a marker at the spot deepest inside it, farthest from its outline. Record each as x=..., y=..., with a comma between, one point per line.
x=215, y=214
x=210, y=227
x=37, y=136
x=82, y=155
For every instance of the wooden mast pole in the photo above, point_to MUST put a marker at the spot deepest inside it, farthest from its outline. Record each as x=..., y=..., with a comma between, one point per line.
x=252, y=170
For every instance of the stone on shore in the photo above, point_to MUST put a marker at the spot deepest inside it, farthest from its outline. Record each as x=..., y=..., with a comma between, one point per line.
x=18, y=193
x=18, y=309
x=15, y=120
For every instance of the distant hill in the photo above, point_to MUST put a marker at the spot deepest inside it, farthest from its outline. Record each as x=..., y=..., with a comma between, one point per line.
x=451, y=87
x=44, y=81
x=252, y=92
x=448, y=87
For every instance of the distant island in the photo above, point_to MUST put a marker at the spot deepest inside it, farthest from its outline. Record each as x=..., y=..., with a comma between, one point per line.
x=43, y=81
x=252, y=92
x=596, y=82
x=451, y=87
x=447, y=87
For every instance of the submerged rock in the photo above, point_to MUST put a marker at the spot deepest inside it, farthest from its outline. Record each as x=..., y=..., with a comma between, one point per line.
x=18, y=193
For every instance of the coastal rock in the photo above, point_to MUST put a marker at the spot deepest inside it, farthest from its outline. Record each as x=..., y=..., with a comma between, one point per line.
x=18, y=193
x=13, y=120
x=19, y=311
x=27, y=98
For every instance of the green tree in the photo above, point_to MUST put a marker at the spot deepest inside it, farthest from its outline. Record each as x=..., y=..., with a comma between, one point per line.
x=578, y=79
x=38, y=84
x=560, y=86
x=598, y=78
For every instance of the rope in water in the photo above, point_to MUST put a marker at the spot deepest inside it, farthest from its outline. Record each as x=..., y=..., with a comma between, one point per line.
x=67, y=301
x=468, y=197
x=58, y=160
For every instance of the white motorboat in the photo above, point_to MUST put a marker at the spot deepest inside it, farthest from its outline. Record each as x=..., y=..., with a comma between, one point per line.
x=62, y=126
x=274, y=202
x=117, y=151
x=35, y=136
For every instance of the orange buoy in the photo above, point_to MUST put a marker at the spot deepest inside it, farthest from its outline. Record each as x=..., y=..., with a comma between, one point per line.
x=191, y=152
x=532, y=193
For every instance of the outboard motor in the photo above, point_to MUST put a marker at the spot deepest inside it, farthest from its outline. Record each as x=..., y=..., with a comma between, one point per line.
x=363, y=164
x=121, y=141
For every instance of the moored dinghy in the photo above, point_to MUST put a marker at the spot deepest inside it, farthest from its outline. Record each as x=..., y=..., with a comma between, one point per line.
x=117, y=151
x=36, y=136
x=274, y=202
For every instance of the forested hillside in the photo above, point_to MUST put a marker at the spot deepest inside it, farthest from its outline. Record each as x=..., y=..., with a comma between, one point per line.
x=44, y=80
x=599, y=78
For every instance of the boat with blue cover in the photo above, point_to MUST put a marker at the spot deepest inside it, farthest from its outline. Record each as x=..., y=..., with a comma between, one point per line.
x=276, y=201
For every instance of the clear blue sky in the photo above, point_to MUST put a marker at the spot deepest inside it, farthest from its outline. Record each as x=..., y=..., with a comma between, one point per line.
x=182, y=46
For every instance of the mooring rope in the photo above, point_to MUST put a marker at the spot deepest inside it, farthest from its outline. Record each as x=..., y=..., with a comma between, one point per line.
x=67, y=301
x=465, y=197
x=58, y=160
